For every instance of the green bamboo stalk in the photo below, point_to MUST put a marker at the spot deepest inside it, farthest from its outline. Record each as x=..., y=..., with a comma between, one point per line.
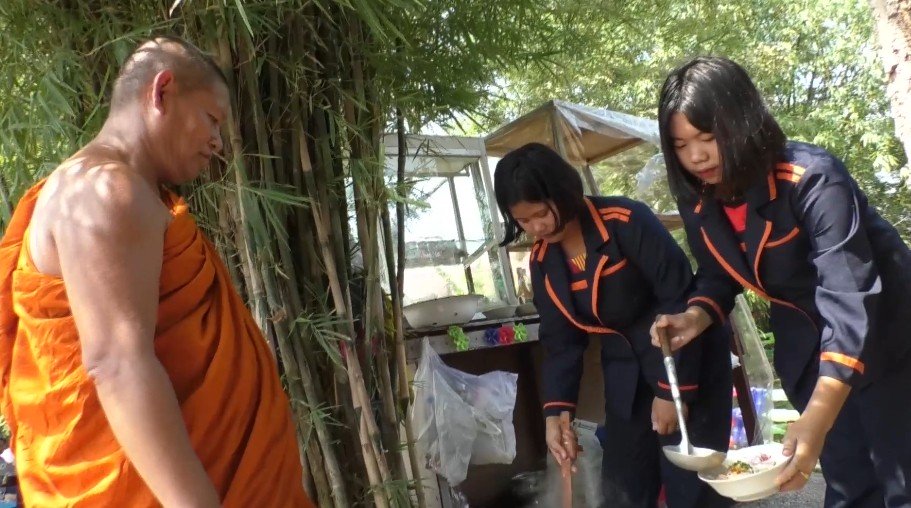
x=397, y=281
x=356, y=382
x=284, y=302
x=7, y=211
x=340, y=496
x=256, y=292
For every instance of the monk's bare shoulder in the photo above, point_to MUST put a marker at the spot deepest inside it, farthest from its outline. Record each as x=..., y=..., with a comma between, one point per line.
x=87, y=201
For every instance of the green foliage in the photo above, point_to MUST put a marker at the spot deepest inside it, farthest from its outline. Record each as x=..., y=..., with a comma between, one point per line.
x=759, y=308
x=814, y=60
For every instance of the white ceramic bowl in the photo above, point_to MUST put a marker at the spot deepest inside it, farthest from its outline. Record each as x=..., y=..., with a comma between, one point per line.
x=751, y=486
x=451, y=310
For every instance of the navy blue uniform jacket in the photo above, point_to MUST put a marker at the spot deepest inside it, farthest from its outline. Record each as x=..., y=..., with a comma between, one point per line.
x=837, y=275
x=634, y=270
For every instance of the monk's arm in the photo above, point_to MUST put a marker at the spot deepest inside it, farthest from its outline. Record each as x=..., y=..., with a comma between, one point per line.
x=110, y=252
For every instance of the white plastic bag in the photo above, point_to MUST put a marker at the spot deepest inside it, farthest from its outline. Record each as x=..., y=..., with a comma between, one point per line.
x=461, y=418
x=652, y=187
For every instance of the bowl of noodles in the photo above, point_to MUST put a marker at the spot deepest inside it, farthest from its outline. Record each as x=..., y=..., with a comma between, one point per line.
x=749, y=473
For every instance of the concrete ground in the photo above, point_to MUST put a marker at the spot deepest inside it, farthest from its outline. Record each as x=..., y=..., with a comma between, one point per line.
x=810, y=496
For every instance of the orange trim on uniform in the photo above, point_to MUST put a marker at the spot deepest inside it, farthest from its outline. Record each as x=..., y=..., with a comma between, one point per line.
x=789, y=177
x=728, y=268
x=765, y=239
x=790, y=168
x=541, y=251
x=773, y=190
x=598, y=222
x=614, y=269
x=683, y=388
x=559, y=404
x=789, y=172
x=615, y=209
x=579, y=285
x=616, y=216
x=743, y=282
x=846, y=360
x=785, y=239
x=698, y=208
x=571, y=319
x=595, y=282
x=712, y=303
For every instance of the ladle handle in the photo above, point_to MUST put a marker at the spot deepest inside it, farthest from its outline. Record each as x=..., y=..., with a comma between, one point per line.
x=664, y=340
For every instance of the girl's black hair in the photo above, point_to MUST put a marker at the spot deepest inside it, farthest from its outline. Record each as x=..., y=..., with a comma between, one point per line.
x=717, y=95
x=535, y=173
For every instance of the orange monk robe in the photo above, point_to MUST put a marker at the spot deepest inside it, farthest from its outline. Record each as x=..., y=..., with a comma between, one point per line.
x=222, y=370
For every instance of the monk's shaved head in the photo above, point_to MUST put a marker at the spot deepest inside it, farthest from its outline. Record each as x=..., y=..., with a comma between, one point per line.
x=191, y=68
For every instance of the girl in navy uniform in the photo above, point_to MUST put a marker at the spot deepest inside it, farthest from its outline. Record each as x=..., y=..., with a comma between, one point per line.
x=786, y=220
x=603, y=268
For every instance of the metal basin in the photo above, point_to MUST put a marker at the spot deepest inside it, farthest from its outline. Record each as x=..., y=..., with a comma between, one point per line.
x=526, y=309
x=451, y=310
x=500, y=312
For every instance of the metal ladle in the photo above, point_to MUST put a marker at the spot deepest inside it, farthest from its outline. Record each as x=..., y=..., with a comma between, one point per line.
x=685, y=455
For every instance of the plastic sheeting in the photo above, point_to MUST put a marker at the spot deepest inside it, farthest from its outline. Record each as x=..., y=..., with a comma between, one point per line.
x=462, y=419
x=758, y=371
x=429, y=156
x=582, y=134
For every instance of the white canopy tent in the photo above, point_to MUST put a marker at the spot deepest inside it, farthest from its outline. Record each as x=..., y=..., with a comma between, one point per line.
x=583, y=135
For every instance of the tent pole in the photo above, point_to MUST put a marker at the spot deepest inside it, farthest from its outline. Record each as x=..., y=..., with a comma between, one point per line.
x=469, y=280
x=590, y=179
x=497, y=226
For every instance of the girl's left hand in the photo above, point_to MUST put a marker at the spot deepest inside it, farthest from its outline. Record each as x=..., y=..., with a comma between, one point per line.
x=803, y=442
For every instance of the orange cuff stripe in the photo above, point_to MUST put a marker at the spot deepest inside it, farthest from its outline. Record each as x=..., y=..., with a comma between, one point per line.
x=846, y=360
x=579, y=285
x=559, y=404
x=614, y=268
x=615, y=209
x=616, y=216
x=710, y=302
x=683, y=388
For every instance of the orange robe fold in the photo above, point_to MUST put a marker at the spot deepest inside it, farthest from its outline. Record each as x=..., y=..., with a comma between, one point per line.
x=222, y=370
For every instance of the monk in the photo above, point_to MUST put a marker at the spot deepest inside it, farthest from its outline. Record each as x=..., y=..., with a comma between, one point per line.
x=131, y=374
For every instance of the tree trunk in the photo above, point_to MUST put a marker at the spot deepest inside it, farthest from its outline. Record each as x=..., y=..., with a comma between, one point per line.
x=893, y=24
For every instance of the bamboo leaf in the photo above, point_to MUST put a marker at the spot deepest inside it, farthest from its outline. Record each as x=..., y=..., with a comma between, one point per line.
x=243, y=15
